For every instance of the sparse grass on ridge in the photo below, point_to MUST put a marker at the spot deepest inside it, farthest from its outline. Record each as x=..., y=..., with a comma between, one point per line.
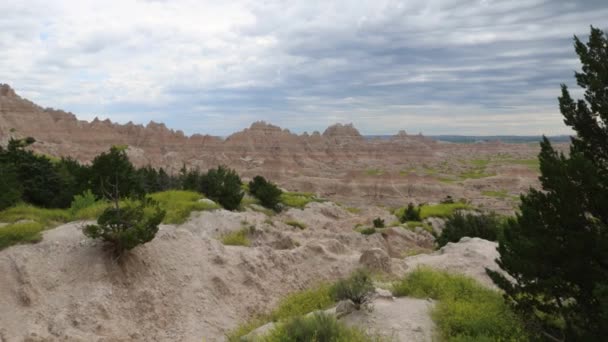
x=296, y=224
x=298, y=199
x=298, y=303
x=466, y=311
x=237, y=238
x=179, y=204
x=22, y=232
x=436, y=210
x=497, y=194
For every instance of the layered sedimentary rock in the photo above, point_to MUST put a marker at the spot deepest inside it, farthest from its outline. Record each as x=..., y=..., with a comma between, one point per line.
x=339, y=163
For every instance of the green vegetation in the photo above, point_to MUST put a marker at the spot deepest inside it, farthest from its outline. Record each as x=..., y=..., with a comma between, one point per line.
x=367, y=231
x=267, y=192
x=378, y=223
x=22, y=232
x=442, y=210
x=26, y=212
x=359, y=288
x=409, y=213
x=237, y=238
x=374, y=172
x=532, y=164
x=126, y=227
x=353, y=210
x=302, y=302
x=179, y=204
x=466, y=311
x=556, y=249
x=222, y=185
x=411, y=225
x=82, y=201
x=112, y=175
x=296, y=224
x=485, y=226
x=318, y=327
x=497, y=194
x=10, y=188
x=297, y=199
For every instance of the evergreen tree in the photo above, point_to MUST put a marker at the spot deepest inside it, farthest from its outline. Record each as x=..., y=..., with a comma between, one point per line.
x=113, y=172
x=10, y=188
x=223, y=185
x=267, y=192
x=557, y=249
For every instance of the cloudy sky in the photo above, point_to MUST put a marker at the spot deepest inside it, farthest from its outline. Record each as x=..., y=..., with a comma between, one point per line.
x=436, y=66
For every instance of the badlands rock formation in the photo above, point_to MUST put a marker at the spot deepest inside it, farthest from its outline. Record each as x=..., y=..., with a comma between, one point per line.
x=186, y=286
x=339, y=164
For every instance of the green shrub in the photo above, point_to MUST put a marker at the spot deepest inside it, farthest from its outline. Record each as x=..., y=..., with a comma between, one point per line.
x=411, y=213
x=318, y=327
x=23, y=232
x=237, y=238
x=466, y=310
x=296, y=224
x=358, y=287
x=179, y=204
x=223, y=186
x=485, y=226
x=10, y=188
x=82, y=201
x=267, y=192
x=378, y=223
x=126, y=227
x=114, y=176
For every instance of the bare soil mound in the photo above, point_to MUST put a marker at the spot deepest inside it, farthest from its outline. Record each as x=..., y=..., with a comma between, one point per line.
x=185, y=285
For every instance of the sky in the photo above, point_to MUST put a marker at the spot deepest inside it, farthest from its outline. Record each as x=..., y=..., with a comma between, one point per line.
x=470, y=67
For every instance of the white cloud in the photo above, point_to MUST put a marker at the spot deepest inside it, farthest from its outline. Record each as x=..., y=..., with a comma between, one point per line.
x=214, y=66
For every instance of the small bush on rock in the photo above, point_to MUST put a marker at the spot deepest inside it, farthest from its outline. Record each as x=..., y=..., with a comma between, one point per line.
x=124, y=228
x=267, y=192
x=378, y=223
x=359, y=288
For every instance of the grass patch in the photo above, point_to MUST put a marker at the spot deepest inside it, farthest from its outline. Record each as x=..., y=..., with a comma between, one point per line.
x=532, y=164
x=24, y=232
x=435, y=210
x=297, y=199
x=367, y=231
x=179, y=204
x=374, y=172
x=302, y=302
x=466, y=310
x=296, y=224
x=497, y=194
x=442, y=210
x=295, y=304
x=412, y=225
x=46, y=217
x=318, y=327
x=237, y=238
x=353, y=210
